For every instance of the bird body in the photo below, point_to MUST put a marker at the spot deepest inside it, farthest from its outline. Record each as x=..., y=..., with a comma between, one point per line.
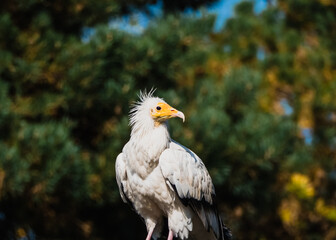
x=161, y=178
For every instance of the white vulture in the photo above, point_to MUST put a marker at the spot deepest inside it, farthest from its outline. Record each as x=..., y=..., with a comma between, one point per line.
x=162, y=179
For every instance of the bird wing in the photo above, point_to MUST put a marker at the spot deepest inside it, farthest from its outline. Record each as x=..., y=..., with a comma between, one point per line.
x=189, y=177
x=121, y=176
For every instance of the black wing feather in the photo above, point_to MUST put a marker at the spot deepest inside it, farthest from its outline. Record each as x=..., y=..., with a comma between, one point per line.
x=190, y=179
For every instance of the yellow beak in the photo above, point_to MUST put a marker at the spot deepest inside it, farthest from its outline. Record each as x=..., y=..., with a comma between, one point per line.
x=164, y=111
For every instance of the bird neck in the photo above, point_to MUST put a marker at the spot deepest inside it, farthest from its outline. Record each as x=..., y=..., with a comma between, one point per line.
x=153, y=138
x=142, y=130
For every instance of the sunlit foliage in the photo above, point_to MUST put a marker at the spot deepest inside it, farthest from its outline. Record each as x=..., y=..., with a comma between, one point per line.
x=259, y=99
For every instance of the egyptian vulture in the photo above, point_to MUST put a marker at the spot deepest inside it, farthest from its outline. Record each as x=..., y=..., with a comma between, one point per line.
x=161, y=179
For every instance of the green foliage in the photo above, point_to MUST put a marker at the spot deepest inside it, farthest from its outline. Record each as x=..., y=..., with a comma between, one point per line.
x=64, y=107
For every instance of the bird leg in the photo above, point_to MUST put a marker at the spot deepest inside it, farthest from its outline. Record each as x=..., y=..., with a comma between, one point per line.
x=171, y=235
x=149, y=235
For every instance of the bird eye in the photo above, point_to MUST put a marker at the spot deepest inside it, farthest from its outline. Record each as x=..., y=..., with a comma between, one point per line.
x=158, y=108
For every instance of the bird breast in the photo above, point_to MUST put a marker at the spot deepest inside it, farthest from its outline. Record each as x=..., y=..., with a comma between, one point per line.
x=143, y=151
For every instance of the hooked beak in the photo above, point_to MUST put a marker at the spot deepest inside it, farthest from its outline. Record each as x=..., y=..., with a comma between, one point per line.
x=164, y=111
x=180, y=115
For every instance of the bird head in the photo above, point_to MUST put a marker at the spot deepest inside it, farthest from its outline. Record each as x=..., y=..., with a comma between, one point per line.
x=152, y=109
x=162, y=111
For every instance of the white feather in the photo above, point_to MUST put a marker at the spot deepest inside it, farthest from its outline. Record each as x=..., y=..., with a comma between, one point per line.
x=150, y=168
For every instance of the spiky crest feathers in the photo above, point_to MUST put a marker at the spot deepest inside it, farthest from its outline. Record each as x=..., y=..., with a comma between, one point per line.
x=140, y=111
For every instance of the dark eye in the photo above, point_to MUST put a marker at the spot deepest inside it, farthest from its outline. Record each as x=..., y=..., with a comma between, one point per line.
x=158, y=108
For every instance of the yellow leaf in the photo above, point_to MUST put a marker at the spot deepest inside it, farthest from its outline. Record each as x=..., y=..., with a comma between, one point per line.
x=20, y=232
x=300, y=186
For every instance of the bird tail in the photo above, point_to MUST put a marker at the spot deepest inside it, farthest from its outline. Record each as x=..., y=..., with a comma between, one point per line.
x=201, y=233
x=226, y=232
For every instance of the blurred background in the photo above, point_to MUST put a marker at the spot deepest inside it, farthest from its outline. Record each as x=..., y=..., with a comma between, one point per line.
x=255, y=79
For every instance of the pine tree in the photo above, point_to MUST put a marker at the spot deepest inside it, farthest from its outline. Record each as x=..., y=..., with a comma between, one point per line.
x=258, y=98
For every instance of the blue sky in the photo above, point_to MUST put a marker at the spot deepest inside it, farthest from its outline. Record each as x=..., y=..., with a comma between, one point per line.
x=224, y=9
x=138, y=21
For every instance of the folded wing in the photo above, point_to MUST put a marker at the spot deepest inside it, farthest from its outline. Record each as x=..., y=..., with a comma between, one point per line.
x=121, y=176
x=186, y=173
